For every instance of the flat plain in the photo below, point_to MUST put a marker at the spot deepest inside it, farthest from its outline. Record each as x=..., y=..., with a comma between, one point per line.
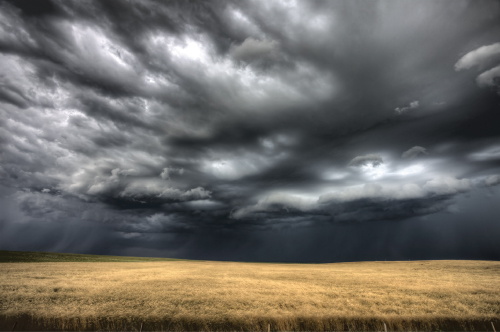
x=216, y=296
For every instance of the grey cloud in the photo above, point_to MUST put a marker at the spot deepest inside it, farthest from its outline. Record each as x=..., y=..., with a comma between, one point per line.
x=105, y=184
x=483, y=57
x=254, y=49
x=141, y=190
x=447, y=186
x=491, y=152
x=413, y=152
x=167, y=171
x=492, y=180
x=276, y=202
x=48, y=209
x=490, y=78
x=196, y=194
x=136, y=189
x=369, y=202
x=369, y=159
x=441, y=186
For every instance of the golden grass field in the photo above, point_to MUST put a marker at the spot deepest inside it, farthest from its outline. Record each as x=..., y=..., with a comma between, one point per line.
x=198, y=295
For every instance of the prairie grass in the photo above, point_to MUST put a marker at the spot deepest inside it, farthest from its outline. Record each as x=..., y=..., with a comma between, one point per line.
x=197, y=295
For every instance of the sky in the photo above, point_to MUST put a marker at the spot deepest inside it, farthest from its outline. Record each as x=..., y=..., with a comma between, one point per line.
x=291, y=131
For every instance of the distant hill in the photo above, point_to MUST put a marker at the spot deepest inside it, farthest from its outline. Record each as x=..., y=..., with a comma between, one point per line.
x=7, y=256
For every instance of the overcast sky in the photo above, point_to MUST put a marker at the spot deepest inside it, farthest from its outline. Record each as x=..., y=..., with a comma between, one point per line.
x=251, y=130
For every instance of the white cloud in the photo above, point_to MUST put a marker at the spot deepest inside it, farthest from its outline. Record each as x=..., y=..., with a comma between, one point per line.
x=410, y=170
x=479, y=57
x=413, y=105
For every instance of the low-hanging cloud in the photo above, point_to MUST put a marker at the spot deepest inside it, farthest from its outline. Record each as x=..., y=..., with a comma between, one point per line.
x=371, y=201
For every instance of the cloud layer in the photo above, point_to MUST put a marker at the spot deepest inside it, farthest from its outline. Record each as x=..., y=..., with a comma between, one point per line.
x=141, y=118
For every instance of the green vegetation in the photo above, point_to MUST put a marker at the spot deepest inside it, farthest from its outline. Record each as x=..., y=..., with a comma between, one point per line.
x=7, y=256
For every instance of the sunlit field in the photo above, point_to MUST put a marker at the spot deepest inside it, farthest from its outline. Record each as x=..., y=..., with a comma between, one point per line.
x=199, y=295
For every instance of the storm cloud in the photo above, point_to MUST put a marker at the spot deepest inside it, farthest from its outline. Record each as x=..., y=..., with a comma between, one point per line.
x=165, y=128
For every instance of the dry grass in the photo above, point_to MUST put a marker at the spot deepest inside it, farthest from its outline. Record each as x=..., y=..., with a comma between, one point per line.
x=190, y=295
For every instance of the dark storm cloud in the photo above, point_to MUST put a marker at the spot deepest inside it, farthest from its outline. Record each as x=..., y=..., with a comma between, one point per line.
x=183, y=117
x=370, y=202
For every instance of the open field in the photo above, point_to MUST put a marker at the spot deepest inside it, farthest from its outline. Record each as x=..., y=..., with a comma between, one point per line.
x=197, y=295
